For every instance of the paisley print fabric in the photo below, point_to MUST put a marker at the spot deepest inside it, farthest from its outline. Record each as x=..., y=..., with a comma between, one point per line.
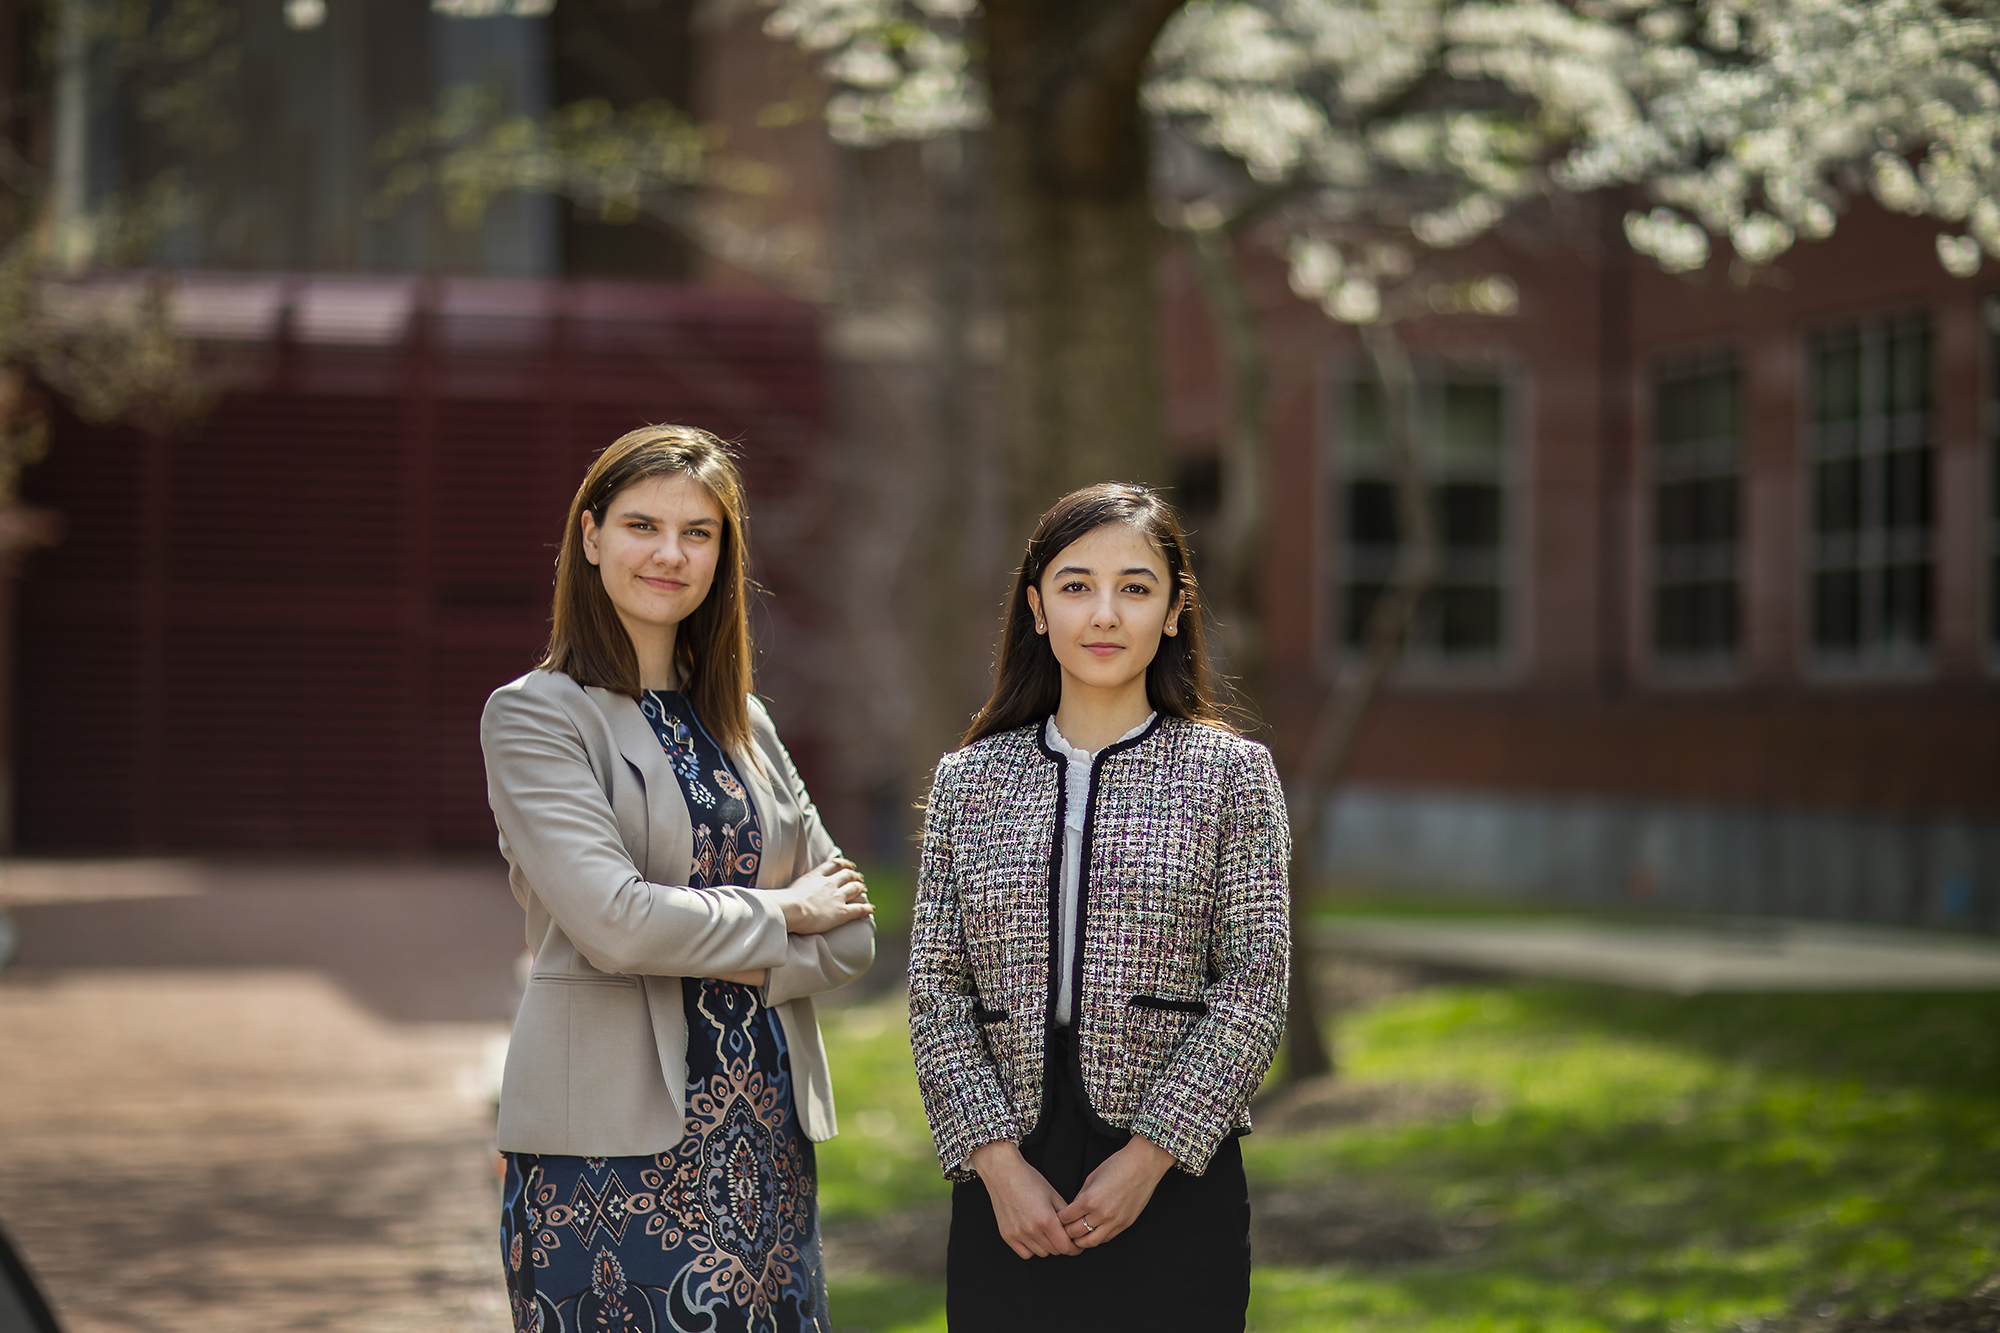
x=727, y=842
x=719, y=1234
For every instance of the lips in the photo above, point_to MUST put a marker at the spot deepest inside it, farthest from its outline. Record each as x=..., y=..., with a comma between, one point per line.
x=1104, y=649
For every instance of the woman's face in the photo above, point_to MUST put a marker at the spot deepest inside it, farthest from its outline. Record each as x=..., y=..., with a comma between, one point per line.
x=1104, y=602
x=657, y=549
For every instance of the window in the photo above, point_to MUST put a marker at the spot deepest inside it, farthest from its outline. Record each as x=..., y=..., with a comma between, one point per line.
x=1464, y=436
x=1697, y=481
x=1870, y=451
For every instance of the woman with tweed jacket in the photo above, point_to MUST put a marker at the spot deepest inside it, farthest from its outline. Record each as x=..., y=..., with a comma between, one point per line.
x=1098, y=963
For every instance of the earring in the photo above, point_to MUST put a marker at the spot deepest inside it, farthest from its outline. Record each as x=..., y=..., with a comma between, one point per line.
x=1040, y=628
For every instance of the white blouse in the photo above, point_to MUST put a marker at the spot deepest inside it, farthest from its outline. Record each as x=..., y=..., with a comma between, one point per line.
x=1077, y=790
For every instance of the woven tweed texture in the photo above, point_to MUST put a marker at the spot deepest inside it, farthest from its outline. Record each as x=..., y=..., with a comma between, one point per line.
x=1182, y=957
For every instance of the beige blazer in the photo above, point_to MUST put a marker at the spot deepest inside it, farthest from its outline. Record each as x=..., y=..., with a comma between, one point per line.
x=599, y=844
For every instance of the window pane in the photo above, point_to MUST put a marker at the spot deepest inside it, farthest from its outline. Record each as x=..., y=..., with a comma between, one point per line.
x=1695, y=518
x=1837, y=498
x=1909, y=376
x=1714, y=616
x=1837, y=608
x=1872, y=492
x=1679, y=411
x=1906, y=489
x=1468, y=619
x=1462, y=421
x=1718, y=406
x=1718, y=520
x=1673, y=515
x=1469, y=515
x=1906, y=604
x=1474, y=422
x=1673, y=619
x=1837, y=378
x=1371, y=513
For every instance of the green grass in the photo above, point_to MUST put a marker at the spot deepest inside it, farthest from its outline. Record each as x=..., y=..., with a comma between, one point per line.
x=1663, y=1164
x=881, y=1160
x=1646, y=1163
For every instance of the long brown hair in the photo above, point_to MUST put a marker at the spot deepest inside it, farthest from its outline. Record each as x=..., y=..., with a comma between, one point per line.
x=1028, y=685
x=587, y=641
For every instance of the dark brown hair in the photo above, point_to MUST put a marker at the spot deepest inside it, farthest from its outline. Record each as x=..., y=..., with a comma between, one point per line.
x=587, y=641
x=1028, y=685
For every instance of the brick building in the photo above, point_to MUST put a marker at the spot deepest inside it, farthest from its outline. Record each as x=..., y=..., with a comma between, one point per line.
x=273, y=628
x=1720, y=620
x=1717, y=625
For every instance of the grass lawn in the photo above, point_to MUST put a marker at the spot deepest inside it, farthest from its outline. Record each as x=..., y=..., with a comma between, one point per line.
x=1634, y=1162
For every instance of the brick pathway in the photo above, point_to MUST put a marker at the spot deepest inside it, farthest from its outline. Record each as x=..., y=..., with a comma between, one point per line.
x=224, y=1106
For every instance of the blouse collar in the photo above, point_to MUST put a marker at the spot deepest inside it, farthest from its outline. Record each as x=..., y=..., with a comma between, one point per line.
x=1060, y=743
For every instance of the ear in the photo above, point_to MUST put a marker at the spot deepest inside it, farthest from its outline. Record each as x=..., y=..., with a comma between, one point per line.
x=1173, y=625
x=1035, y=605
x=590, y=551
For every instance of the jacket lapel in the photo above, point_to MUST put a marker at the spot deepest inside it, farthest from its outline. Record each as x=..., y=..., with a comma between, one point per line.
x=669, y=830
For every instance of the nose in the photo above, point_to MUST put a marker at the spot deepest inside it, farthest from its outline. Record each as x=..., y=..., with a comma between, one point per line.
x=1105, y=614
x=668, y=551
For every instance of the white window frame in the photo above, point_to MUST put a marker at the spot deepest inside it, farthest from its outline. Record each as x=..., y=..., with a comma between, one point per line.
x=1868, y=548
x=1421, y=663
x=1717, y=561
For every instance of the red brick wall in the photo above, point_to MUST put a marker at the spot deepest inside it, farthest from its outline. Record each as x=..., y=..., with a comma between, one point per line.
x=1580, y=708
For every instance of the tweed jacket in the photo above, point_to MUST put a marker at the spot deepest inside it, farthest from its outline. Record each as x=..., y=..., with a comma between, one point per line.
x=599, y=847
x=1183, y=946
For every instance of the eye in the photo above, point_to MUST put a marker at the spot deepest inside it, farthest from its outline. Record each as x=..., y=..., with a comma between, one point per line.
x=640, y=525
x=702, y=533
x=1138, y=589
x=1074, y=585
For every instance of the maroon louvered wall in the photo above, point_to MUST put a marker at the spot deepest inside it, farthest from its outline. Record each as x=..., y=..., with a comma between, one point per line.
x=276, y=629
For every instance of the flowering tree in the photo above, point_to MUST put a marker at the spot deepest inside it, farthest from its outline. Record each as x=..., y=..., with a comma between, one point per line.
x=1405, y=130
x=1371, y=141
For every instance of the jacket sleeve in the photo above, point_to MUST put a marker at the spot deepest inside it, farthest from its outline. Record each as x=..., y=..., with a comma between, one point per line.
x=560, y=830
x=1203, y=1090
x=813, y=963
x=960, y=1086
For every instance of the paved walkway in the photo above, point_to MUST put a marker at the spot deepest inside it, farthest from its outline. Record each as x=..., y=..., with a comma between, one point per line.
x=1686, y=960
x=240, y=1097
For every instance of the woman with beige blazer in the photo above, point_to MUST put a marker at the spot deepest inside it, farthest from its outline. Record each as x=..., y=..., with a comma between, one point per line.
x=666, y=1081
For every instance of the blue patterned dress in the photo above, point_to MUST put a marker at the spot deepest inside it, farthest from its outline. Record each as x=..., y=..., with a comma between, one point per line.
x=720, y=1233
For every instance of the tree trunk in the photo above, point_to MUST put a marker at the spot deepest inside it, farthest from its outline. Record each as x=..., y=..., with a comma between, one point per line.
x=68, y=233
x=1330, y=746
x=1073, y=165
x=956, y=648
x=1232, y=594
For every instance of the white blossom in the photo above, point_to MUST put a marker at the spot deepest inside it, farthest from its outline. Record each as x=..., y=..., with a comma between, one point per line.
x=1959, y=255
x=1747, y=120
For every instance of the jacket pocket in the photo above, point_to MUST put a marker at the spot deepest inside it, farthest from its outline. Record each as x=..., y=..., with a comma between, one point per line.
x=1171, y=1006
x=982, y=1015
x=583, y=979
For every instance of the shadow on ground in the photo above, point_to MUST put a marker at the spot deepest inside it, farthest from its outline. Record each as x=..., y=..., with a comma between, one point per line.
x=415, y=942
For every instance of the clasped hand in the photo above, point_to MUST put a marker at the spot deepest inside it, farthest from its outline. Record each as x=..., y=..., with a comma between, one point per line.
x=830, y=894
x=1034, y=1220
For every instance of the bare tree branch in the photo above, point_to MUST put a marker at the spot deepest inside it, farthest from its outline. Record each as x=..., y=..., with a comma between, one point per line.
x=1330, y=746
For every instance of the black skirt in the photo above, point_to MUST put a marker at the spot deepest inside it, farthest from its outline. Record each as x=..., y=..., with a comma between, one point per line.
x=1183, y=1267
